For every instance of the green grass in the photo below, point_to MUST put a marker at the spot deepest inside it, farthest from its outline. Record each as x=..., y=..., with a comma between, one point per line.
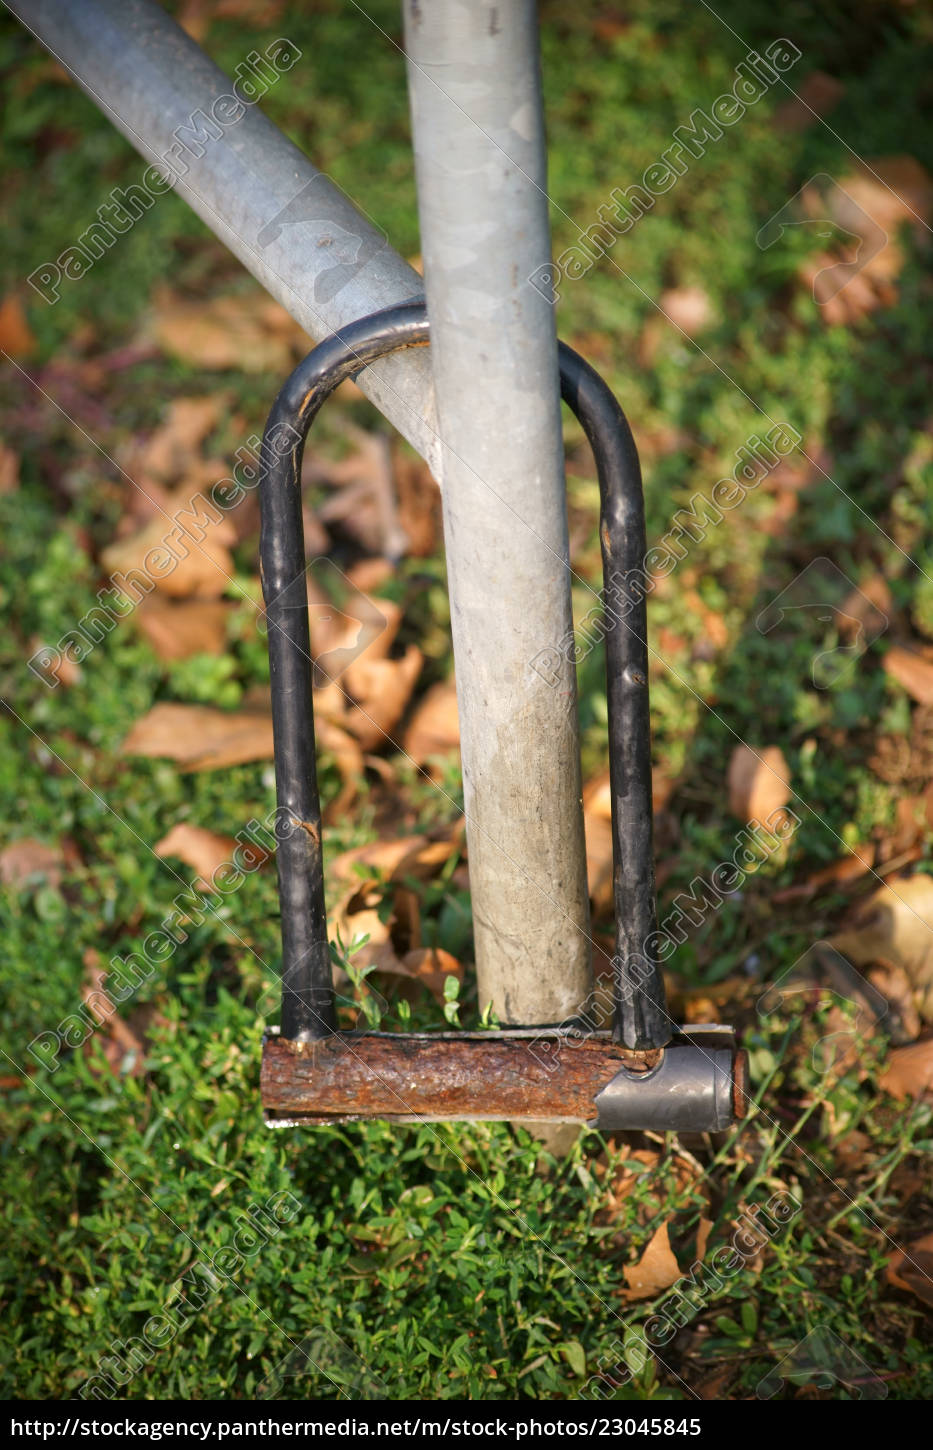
x=467, y=1261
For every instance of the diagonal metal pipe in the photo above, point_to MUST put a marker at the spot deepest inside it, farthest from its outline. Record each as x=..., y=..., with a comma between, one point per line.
x=287, y=222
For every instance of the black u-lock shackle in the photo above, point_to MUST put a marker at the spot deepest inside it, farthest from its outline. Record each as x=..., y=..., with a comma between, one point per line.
x=640, y=1015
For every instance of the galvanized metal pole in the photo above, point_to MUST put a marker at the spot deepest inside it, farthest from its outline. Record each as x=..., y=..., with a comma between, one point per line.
x=287, y=222
x=477, y=122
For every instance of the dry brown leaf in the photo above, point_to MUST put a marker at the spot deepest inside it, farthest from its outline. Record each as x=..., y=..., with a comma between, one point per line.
x=419, y=505
x=122, y=1045
x=715, y=629
x=336, y=633
x=817, y=96
x=172, y=447
x=598, y=835
x=434, y=728
x=895, y=927
x=9, y=470
x=335, y=639
x=838, y=873
x=56, y=665
x=357, y=914
x=903, y=1023
x=912, y=671
x=409, y=858
x=868, y=607
x=194, y=18
x=689, y=308
x=597, y=796
x=177, y=566
x=348, y=758
x=891, y=189
x=912, y=1268
x=200, y=849
x=247, y=332
x=27, y=860
x=16, y=336
x=758, y=782
x=656, y=1270
x=882, y=193
x=914, y=818
x=201, y=738
x=368, y=575
x=909, y=1071
x=363, y=499
x=430, y=967
x=178, y=630
x=381, y=690
x=260, y=14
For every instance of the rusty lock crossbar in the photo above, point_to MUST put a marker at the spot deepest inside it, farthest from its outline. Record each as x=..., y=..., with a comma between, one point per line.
x=646, y=1073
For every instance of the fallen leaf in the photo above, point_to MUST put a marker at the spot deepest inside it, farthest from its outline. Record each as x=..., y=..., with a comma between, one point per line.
x=430, y=967
x=172, y=447
x=758, y=782
x=597, y=796
x=715, y=630
x=891, y=189
x=343, y=630
x=15, y=333
x=201, y=738
x=914, y=819
x=895, y=927
x=689, y=308
x=866, y=609
x=903, y=1023
x=381, y=689
x=178, y=630
x=9, y=470
x=419, y=505
x=123, y=1047
x=199, y=563
x=714, y=1386
x=909, y=1070
x=194, y=17
x=409, y=858
x=656, y=1270
x=258, y=13
x=358, y=914
x=348, y=758
x=31, y=862
x=56, y=665
x=838, y=873
x=363, y=500
x=817, y=96
x=870, y=204
x=598, y=836
x=200, y=849
x=912, y=671
x=434, y=728
x=912, y=1268
x=248, y=332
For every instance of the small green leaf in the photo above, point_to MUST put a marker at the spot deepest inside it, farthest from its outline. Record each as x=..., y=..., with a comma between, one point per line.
x=575, y=1356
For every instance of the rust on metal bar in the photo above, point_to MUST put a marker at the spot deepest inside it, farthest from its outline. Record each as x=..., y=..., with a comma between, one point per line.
x=437, y=1077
